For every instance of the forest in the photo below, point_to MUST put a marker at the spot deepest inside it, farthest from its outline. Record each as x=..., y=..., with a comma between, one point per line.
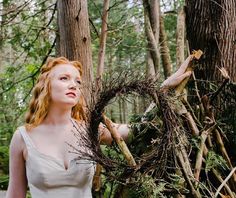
x=183, y=139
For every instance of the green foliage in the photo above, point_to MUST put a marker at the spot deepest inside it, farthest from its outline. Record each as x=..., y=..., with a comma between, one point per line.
x=147, y=187
x=4, y=167
x=145, y=132
x=4, y=159
x=27, y=36
x=4, y=179
x=214, y=160
x=126, y=44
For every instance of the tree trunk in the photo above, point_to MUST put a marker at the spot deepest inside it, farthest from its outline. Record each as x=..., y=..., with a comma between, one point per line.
x=151, y=18
x=124, y=110
x=165, y=52
x=211, y=27
x=74, y=39
x=103, y=36
x=180, y=37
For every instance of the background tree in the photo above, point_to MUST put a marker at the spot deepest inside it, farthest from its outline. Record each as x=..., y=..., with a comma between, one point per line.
x=74, y=34
x=211, y=27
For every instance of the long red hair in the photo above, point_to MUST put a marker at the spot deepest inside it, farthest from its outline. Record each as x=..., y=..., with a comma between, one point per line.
x=40, y=101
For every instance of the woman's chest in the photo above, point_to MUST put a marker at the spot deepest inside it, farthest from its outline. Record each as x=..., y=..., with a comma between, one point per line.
x=45, y=171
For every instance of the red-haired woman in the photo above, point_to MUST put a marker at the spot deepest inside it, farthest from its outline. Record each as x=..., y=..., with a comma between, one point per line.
x=39, y=151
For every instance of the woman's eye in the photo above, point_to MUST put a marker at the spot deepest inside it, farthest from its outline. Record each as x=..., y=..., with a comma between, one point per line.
x=64, y=78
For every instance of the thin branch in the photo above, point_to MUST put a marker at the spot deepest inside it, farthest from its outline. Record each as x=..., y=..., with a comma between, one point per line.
x=224, y=182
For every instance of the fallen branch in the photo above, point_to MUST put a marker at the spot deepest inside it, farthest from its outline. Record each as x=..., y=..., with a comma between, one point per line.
x=97, y=178
x=224, y=182
x=119, y=140
x=218, y=176
x=198, y=164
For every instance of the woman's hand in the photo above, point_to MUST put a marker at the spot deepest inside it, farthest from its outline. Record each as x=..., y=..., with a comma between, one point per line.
x=176, y=78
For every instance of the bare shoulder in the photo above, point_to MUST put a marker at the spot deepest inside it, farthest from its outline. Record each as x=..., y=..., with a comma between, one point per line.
x=17, y=142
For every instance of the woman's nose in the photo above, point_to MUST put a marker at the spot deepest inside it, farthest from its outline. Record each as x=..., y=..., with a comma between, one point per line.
x=72, y=85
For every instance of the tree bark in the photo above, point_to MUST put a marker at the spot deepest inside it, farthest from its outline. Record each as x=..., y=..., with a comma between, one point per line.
x=151, y=18
x=75, y=40
x=211, y=27
x=180, y=37
x=165, y=52
x=103, y=36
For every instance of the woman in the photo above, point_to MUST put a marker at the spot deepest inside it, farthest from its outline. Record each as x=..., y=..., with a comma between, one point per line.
x=40, y=151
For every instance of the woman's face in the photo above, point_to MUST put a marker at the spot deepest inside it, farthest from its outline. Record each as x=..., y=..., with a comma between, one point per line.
x=65, y=82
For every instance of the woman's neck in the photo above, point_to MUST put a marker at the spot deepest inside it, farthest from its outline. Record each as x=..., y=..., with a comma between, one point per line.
x=58, y=116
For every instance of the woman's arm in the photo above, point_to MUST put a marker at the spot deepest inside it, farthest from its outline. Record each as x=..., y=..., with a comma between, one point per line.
x=105, y=135
x=18, y=183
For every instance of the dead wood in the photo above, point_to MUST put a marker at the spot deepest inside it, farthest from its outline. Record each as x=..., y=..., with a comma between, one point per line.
x=166, y=131
x=119, y=140
x=198, y=164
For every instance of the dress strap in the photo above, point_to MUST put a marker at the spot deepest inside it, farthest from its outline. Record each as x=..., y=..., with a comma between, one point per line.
x=28, y=141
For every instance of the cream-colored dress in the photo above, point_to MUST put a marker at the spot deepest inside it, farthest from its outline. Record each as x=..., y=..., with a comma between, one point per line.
x=47, y=177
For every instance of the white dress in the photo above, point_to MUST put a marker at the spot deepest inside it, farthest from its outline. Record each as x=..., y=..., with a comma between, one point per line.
x=48, y=178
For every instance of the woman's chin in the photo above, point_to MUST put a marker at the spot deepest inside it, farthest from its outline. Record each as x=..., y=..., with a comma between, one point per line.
x=68, y=104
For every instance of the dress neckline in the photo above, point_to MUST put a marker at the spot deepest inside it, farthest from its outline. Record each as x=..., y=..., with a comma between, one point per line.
x=49, y=157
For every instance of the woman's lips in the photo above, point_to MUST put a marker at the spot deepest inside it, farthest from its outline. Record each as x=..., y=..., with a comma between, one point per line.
x=71, y=94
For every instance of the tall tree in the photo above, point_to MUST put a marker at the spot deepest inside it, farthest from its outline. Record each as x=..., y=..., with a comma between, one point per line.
x=152, y=26
x=180, y=37
x=74, y=35
x=165, y=52
x=211, y=27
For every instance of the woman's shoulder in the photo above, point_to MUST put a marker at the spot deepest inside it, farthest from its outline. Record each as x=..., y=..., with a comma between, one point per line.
x=17, y=142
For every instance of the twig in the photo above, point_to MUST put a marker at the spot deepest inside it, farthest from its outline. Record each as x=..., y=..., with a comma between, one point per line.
x=198, y=163
x=97, y=178
x=227, y=78
x=225, y=155
x=186, y=175
x=218, y=176
x=224, y=182
x=186, y=103
x=214, y=96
